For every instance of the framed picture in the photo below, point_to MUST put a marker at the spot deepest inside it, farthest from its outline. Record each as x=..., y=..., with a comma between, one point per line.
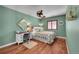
x=22, y=24
x=61, y=23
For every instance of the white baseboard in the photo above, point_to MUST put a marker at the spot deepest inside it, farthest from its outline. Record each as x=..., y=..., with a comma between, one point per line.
x=66, y=42
x=61, y=37
x=67, y=47
x=7, y=44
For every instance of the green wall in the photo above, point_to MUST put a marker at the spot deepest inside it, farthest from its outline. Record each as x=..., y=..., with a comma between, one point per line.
x=61, y=30
x=8, y=27
x=9, y=18
x=72, y=29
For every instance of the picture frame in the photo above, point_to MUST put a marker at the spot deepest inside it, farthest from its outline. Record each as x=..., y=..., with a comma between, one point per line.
x=22, y=24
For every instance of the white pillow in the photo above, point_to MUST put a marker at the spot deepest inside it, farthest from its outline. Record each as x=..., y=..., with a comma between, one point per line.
x=38, y=29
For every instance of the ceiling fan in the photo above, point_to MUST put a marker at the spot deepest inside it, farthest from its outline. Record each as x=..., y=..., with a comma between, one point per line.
x=40, y=14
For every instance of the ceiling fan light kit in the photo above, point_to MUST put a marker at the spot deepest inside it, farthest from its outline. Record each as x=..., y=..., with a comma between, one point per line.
x=40, y=14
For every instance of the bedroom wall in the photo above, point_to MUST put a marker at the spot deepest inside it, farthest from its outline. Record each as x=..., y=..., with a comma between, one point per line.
x=8, y=20
x=61, y=31
x=72, y=29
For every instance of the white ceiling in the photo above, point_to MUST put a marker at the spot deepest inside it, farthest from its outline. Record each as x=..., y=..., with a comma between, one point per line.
x=48, y=10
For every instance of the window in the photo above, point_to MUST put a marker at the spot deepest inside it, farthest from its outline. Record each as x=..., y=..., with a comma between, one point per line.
x=52, y=24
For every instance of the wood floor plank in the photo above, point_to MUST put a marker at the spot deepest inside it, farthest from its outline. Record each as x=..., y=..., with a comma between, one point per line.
x=57, y=47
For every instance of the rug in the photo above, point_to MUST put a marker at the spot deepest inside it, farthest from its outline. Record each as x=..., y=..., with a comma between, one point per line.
x=30, y=45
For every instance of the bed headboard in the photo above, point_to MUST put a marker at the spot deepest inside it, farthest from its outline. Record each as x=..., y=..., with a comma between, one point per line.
x=38, y=29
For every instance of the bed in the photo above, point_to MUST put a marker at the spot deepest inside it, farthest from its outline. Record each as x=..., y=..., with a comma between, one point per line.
x=44, y=36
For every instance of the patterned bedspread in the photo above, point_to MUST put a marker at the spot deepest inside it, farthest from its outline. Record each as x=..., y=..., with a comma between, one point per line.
x=45, y=36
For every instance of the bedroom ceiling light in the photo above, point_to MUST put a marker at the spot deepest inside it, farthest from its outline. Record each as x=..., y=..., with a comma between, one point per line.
x=40, y=14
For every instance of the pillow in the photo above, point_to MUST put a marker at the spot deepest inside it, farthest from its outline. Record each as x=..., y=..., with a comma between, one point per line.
x=41, y=29
x=37, y=29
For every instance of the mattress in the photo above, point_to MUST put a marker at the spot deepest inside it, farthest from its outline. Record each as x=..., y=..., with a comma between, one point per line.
x=44, y=36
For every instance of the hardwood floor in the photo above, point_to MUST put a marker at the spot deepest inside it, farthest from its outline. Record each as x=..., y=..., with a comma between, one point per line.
x=57, y=47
